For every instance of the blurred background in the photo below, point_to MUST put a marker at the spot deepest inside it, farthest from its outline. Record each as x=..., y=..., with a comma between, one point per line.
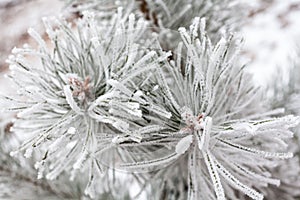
x=271, y=32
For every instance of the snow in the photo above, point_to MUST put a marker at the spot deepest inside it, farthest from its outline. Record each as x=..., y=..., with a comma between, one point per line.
x=271, y=39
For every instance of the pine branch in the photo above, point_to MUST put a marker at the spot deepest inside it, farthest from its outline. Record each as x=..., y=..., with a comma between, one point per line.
x=106, y=94
x=69, y=99
x=284, y=92
x=17, y=175
x=168, y=15
x=212, y=110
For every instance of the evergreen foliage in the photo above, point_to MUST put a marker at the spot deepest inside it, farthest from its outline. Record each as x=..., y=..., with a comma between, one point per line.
x=151, y=95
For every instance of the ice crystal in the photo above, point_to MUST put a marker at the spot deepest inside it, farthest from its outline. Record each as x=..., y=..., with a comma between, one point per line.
x=65, y=102
x=213, y=129
x=133, y=89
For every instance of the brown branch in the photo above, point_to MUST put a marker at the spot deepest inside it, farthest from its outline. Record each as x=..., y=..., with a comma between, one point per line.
x=283, y=17
x=8, y=127
x=144, y=8
x=263, y=7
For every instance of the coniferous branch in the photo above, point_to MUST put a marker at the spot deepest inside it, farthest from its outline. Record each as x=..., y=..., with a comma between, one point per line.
x=65, y=105
x=212, y=120
x=18, y=176
x=106, y=94
x=284, y=91
x=167, y=16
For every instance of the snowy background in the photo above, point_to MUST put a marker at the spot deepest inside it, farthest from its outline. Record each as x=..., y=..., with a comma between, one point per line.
x=271, y=32
x=271, y=37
